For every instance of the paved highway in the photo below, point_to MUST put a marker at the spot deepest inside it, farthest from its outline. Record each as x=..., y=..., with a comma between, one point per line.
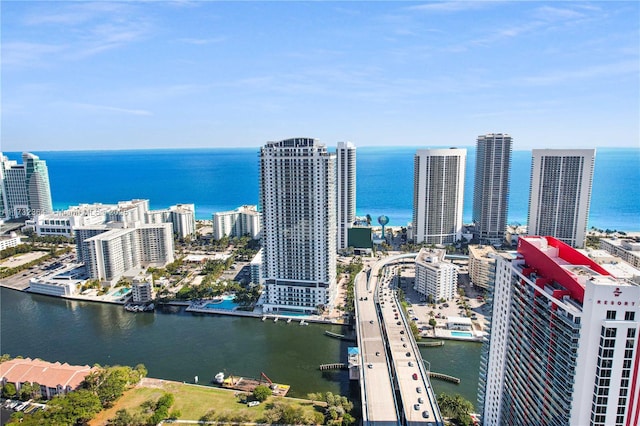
x=387, y=348
x=376, y=385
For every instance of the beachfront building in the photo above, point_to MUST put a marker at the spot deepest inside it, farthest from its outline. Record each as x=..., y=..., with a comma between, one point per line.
x=438, y=190
x=126, y=213
x=624, y=248
x=110, y=250
x=560, y=193
x=563, y=341
x=54, y=378
x=183, y=219
x=482, y=265
x=37, y=182
x=436, y=279
x=24, y=188
x=62, y=223
x=491, y=187
x=346, y=196
x=297, y=195
x=245, y=220
x=181, y=216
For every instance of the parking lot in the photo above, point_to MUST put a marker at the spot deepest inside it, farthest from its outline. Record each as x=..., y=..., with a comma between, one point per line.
x=421, y=312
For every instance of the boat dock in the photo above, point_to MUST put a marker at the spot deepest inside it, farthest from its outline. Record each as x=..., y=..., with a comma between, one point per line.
x=245, y=384
x=339, y=336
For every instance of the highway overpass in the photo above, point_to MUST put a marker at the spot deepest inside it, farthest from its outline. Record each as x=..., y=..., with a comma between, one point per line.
x=394, y=381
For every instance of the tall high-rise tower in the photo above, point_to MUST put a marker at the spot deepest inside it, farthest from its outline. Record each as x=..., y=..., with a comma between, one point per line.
x=346, y=182
x=298, y=199
x=438, y=191
x=563, y=341
x=560, y=193
x=37, y=182
x=491, y=187
x=24, y=188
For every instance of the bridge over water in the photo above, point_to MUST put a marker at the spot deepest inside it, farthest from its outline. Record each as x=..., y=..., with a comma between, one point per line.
x=394, y=382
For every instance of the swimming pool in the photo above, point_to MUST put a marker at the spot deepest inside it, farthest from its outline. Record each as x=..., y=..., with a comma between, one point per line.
x=461, y=334
x=226, y=303
x=292, y=314
x=121, y=292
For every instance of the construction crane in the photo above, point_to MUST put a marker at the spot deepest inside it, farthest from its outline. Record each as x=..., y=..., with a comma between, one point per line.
x=272, y=385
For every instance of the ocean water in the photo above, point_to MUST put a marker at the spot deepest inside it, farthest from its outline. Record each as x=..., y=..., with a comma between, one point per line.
x=221, y=179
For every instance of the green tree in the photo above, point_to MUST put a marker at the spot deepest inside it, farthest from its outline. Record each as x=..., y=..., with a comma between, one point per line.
x=122, y=418
x=455, y=407
x=261, y=392
x=76, y=407
x=26, y=391
x=9, y=390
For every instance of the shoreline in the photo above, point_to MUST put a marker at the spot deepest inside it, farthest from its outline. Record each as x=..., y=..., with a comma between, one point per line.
x=191, y=307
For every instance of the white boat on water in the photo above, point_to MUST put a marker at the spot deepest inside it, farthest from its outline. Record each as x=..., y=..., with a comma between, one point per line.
x=219, y=378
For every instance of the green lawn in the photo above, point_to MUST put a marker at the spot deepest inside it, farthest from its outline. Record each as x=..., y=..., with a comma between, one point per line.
x=193, y=402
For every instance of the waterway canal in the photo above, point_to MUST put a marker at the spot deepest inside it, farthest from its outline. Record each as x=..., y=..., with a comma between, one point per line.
x=179, y=346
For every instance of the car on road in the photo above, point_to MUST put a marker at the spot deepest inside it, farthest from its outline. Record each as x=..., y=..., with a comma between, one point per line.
x=408, y=354
x=401, y=331
x=410, y=364
x=377, y=353
x=425, y=414
x=370, y=365
x=416, y=407
x=415, y=376
x=371, y=322
x=420, y=400
x=419, y=389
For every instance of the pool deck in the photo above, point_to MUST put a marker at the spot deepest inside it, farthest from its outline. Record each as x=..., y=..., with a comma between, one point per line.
x=440, y=334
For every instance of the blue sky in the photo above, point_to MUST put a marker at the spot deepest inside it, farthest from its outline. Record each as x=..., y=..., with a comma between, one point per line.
x=161, y=74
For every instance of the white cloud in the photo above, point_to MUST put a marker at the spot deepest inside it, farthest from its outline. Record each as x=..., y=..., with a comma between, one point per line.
x=453, y=6
x=94, y=107
x=595, y=71
x=203, y=41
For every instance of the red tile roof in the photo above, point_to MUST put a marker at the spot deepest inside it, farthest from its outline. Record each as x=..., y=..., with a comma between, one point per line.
x=44, y=373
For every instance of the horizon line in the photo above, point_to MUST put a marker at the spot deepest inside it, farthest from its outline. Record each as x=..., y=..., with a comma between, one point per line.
x=258, y=147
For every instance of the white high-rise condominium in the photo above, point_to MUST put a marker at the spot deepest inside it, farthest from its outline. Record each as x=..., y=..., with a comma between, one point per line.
x=24, y=188
x=346, y=181
x=491, y=187
x=436, y=278
x=438, y=190
x=560, y=193
x=563, y=341
x=297, y=195
x=245, y=220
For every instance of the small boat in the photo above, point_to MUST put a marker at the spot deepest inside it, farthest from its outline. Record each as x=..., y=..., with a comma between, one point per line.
x=275, y=319
x=303, y=322
x=264, y=318
x=219, y=378
x=289, y=320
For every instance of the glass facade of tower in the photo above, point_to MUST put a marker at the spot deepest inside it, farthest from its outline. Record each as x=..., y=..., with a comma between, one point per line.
x=562, y=347
x=491, y=186
x=346, y=183
x=438, y=191
x=560, y=194
x=297, y=195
